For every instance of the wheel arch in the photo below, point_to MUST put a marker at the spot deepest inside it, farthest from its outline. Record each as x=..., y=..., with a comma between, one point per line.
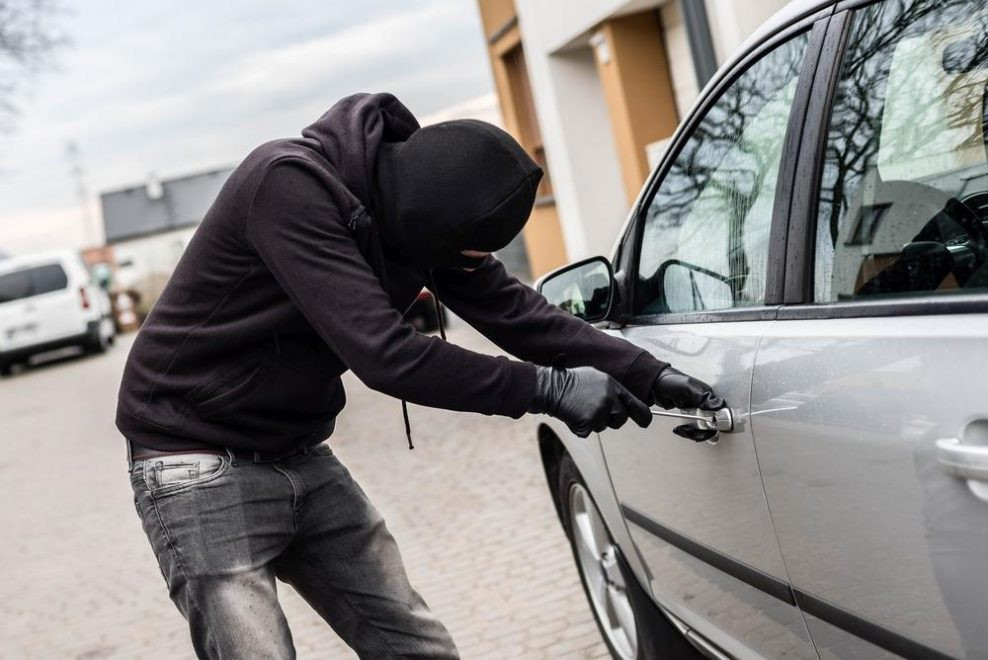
x=664, y=634
x=551, y=450
x=588, y=456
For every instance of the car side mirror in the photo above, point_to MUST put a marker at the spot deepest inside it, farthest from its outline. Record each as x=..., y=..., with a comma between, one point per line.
x=584, y=289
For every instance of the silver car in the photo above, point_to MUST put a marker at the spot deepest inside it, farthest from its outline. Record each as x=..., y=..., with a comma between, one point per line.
x=814, y=244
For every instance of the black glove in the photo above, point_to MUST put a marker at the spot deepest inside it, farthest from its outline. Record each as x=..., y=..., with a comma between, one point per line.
x=587, y=400
x=674, y=389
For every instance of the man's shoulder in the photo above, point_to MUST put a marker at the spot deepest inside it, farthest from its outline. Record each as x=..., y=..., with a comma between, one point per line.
x=294, y=153
x=294, y=161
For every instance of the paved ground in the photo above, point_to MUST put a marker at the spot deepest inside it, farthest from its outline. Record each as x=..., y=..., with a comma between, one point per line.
x=469, y=508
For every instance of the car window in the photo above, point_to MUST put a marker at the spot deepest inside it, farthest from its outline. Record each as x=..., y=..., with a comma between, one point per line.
x=48, y=278
x=705, y=239
x=904, y=194
x=14, y=286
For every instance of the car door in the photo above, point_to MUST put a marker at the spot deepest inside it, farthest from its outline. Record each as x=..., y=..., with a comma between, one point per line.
x=869, y=403
x=57, y=307
x=698, y=269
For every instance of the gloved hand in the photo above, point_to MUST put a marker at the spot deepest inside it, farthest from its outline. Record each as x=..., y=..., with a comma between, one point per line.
x=674, y=389
x=587, y=400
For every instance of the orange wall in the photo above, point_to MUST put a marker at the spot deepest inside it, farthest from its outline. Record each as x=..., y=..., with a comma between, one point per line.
x=543, y=234
x=638, y=91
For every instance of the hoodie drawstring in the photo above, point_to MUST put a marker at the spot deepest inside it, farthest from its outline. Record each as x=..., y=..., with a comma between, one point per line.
x=408, y=425
x=442, y=333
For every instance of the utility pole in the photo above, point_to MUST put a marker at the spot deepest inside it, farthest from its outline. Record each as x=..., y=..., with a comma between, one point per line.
x=78, y=174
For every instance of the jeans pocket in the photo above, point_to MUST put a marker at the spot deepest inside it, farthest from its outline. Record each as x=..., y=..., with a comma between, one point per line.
x=167, y=475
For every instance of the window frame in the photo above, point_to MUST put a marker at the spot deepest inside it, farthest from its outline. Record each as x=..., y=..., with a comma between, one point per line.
x=798, y=294
x=815, y=25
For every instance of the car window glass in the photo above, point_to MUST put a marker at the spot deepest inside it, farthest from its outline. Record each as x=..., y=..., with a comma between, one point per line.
x=705, y=239
x=48, y=278
x=14, y=286
x=904, y=195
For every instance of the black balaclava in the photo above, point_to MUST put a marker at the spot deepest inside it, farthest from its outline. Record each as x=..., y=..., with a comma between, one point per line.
x=458, y=185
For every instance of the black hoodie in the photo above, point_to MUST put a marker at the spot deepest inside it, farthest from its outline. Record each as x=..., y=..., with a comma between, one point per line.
x=285, y=286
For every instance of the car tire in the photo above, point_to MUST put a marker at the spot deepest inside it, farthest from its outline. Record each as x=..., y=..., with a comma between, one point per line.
x=631, y=625
x=6, y=369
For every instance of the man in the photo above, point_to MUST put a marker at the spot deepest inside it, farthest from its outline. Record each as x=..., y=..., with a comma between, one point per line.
x=300, y=271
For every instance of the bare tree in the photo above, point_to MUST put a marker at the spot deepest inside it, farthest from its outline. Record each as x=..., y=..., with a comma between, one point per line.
x=29, y=37
x=857, y=114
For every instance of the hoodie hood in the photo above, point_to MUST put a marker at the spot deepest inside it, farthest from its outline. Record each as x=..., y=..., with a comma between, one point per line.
x=434, y=191
x=351, y=132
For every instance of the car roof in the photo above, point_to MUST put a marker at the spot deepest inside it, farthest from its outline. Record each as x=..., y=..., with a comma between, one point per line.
x=17, y=262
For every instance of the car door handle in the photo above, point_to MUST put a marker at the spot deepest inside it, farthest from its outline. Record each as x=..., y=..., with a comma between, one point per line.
x=966, y=461
x=713, y=420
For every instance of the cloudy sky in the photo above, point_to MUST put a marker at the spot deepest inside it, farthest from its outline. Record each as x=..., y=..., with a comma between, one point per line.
x=175, y=87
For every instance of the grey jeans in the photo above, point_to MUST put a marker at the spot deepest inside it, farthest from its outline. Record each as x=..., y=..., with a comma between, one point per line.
x=223, y=530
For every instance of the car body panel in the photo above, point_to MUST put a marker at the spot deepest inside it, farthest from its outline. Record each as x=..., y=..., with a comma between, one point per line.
x=846, y=413
x=711, y=494
x=19, y=324
x=589, y=460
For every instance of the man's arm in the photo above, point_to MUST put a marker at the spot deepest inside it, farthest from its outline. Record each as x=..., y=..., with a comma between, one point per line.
x=295, y=227
x=519, y=320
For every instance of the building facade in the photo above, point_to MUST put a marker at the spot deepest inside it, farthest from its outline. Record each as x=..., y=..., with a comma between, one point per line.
x=593, y=89
x=148, y=227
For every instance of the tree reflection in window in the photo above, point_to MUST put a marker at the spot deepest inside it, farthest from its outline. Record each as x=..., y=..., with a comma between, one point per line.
x=713, y=209
x=906, y=136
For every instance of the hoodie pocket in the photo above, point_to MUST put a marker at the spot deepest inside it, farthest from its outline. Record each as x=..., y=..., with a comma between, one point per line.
x=231, y=390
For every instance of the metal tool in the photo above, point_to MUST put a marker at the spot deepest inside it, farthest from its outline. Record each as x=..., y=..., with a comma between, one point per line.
x=714, y=420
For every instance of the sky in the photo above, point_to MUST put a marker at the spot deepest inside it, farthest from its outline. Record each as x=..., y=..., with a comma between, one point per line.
x=176, y=87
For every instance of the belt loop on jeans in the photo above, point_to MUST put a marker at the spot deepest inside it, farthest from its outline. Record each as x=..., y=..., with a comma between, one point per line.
x=233, y=457
x=130, y=456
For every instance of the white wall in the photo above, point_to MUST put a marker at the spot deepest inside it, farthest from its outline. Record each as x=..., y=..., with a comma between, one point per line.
x=145, y=264
x=732, y=21
x=575, y=126
x=681, y=69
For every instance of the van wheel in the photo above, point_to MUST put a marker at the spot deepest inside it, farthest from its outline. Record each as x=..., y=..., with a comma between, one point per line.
x=100, y=338
x=632, y=625
x=6, y=369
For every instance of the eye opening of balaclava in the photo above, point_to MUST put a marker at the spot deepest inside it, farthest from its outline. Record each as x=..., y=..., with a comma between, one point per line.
x=459, y=185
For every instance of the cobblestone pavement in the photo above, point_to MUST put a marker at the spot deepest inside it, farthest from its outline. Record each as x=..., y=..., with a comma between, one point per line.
x=469, y=508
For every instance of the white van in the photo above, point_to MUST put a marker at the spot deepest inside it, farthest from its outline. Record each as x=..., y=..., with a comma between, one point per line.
x=47, y=301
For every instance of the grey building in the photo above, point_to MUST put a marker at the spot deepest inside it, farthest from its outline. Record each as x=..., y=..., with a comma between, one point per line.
x=149, y=225
x=154, y=206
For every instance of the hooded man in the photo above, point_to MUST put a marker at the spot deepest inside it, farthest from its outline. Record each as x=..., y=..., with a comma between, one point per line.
x=300, y=271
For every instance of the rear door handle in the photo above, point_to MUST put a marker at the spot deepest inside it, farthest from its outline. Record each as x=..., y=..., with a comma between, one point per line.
x=965, y=461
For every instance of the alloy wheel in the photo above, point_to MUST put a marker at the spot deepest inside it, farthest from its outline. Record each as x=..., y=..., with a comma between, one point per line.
x=597, y=556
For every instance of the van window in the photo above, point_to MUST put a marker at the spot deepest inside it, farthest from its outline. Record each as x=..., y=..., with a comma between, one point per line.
x=904, y=195
x=46, y=279
x=14, y=286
